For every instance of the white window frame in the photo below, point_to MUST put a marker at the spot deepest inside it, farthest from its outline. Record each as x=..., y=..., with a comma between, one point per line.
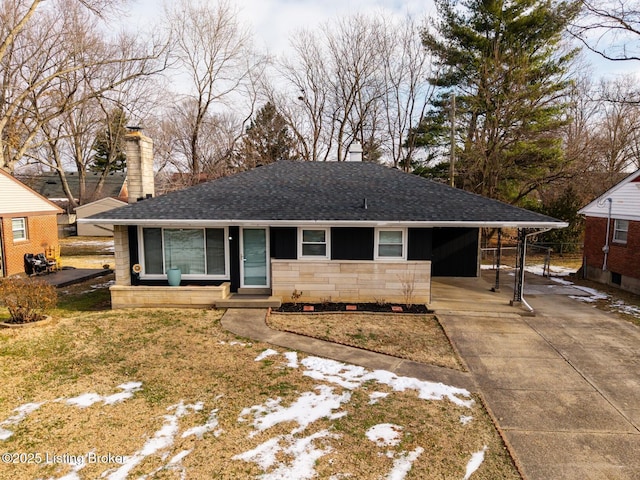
x=376, y=251
x=617, y=229
x=23, y=229
x=162, y=276
x=327, y=242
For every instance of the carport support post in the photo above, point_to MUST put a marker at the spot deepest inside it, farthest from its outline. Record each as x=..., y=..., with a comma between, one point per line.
x=496, y=287
x=519, y=282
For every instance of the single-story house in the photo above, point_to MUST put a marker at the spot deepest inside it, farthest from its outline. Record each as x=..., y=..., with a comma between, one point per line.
x=99, y=206
x=313, y=231
x=612, y=236
x=27, y=224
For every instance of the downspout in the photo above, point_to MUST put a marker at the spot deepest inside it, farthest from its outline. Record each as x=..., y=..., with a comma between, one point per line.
x=605, y=249
x=520, y=279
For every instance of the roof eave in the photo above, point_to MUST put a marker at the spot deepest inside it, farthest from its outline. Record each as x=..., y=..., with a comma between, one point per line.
x=303, y=223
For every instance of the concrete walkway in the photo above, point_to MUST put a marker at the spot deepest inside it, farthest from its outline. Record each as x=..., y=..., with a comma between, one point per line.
x=250, y=323
x=563, y=385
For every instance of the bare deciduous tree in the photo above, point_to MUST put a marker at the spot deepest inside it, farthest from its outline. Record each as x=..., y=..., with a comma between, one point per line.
x=610, y=28
x=360, y=78
x=53, y=60
x=213, y=51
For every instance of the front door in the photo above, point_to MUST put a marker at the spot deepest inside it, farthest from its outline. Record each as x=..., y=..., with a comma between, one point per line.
x=254, y=258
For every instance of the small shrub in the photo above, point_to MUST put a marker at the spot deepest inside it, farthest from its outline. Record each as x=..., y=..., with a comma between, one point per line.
x=408, y=282
x=27, y=299
x=295, y=296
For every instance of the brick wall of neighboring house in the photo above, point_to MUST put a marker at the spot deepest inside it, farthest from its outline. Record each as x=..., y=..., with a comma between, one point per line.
x=623, y=259
x=42, y=230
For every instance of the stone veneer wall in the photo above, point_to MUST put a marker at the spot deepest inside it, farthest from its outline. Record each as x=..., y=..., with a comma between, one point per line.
x=121, y=247
x=189, y=296
x=351, y=281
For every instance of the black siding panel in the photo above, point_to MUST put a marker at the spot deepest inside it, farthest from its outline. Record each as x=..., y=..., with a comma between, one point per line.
x=455, y=252
x=352, y=243
x=234, y=257
x=134, y=256
x=420, y=244
x=284, y=243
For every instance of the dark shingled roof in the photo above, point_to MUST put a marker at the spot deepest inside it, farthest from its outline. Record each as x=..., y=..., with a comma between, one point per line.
x=324, y=191
x=48, y=184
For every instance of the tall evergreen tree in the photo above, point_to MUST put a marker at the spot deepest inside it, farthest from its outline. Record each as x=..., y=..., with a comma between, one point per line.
x=267, y=139
x=108, y=146
x=506, y=63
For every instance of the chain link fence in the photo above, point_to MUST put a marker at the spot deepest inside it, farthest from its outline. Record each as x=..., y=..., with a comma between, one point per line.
x=542, y=258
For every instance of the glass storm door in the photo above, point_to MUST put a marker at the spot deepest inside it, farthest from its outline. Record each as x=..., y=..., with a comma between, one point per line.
x=254, y=258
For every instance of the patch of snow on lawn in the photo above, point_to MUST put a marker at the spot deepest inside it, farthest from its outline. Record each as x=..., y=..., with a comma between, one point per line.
x=352, y=377
x=199, y=431
x=308, y=408
x=593, y=295
x=403, y=464
x=161, y=440
x=21, y=413
x=624, y=308
x=465, y=420
x=267, y=353
x=302, y=450
x=376, y=396
x=492, y=267
x=385, y=434
x=88, y=399
x=292, y=358
x=475, y=462
x=553, y=270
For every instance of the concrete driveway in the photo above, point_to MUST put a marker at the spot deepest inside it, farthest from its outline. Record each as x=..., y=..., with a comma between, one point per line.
x=563, y=385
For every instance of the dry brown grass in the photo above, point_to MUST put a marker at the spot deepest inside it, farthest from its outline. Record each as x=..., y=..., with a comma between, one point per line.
x=190, y=358
x=414, y=337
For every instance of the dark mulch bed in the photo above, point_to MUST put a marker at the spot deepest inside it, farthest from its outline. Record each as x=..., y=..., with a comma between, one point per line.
x=342, y=307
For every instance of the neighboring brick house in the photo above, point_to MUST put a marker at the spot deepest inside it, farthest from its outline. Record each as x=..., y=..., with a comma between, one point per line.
x=27, y=224
x=612, y=236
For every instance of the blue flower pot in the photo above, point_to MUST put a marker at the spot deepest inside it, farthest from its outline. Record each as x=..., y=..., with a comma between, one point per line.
x=174, y=275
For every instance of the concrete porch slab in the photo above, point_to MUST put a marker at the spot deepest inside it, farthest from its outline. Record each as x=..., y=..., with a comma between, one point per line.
x=236, y=300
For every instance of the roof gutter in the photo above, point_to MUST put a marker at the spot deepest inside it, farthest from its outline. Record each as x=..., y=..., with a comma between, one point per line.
x=304, y=223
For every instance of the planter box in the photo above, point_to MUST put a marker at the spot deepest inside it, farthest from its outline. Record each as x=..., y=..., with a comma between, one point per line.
x=191, y=296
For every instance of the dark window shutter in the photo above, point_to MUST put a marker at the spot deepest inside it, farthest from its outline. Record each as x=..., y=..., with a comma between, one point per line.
x=420, y=244
x=284, y=243
x=350, y=243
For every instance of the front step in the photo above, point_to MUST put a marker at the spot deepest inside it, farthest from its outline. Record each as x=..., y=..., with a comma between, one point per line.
x=236, y=300
x=254, y=291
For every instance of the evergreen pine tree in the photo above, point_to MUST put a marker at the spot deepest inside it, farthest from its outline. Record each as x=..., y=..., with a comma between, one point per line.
x=109, y=144
x=506, y=64
x=267, y=139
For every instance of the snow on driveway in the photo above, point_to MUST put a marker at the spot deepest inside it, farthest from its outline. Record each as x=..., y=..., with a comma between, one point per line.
x=326, y=401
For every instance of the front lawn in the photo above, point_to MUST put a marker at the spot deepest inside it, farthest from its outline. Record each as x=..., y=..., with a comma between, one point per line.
x=169, y=394
x=415, y=337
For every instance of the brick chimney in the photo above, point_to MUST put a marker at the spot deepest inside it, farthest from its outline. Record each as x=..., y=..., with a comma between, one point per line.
x=139, y=149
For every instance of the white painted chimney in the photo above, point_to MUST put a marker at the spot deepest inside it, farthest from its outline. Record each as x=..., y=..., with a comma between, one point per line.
x=355, y=152
x=139, y=149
